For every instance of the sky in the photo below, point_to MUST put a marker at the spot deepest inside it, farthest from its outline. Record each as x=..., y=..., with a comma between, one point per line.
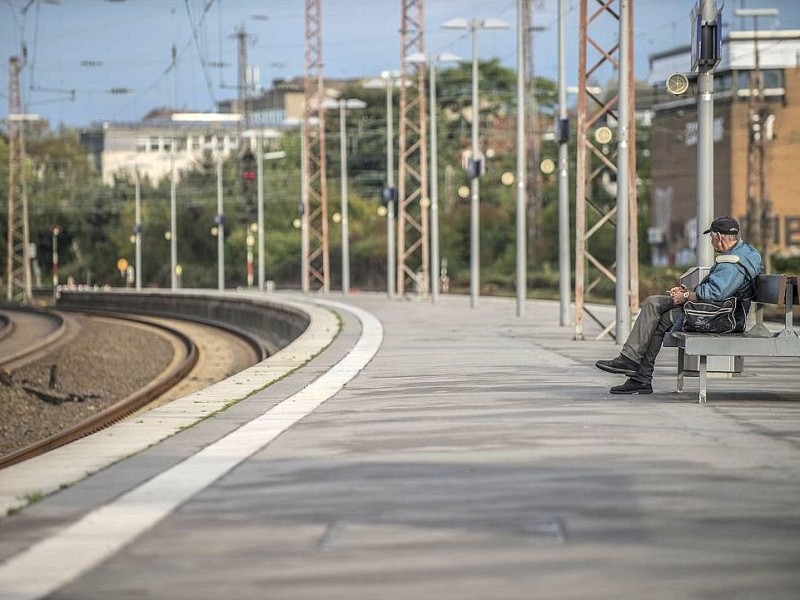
x=90, y=61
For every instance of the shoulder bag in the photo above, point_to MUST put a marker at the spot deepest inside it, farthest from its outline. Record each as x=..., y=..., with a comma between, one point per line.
x=721, y=316
x=717, y=316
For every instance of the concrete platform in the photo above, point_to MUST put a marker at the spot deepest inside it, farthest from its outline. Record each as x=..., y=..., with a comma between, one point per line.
x=447, y=452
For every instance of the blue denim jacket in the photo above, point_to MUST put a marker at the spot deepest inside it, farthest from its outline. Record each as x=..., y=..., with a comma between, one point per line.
x=726, y=278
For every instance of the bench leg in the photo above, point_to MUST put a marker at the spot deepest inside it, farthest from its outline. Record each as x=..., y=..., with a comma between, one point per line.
x=680, y=369
x=701, y=397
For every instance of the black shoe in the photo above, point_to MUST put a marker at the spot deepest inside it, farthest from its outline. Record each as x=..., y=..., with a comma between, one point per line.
x=631, y=386
x=621, y=365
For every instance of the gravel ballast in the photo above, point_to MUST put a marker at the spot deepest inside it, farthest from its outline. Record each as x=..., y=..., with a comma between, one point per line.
x=107, y=362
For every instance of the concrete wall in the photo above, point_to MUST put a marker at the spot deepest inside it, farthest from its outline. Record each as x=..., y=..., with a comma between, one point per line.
x=275, y=324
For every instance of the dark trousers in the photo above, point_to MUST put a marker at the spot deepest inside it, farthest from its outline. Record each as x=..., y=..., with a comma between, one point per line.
x=656, y=318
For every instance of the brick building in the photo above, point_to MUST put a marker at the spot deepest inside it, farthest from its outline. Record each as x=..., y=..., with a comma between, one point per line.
x=673, y=231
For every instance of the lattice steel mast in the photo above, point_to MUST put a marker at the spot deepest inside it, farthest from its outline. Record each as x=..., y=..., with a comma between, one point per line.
x=413, y=262
x=18, y=267
x=599, y=22
x=316, y=256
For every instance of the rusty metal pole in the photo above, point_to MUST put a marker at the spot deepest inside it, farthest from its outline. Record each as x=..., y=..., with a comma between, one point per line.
x=598, y=160
x=413, y=237
x=316, y=255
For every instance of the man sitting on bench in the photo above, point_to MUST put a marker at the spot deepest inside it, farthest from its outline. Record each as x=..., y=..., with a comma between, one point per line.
x=659, y=314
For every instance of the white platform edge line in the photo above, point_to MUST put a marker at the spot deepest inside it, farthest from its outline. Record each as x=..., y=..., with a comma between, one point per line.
x=68, y=464
x=97, y=536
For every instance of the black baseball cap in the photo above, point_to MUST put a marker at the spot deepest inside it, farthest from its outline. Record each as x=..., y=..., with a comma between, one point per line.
x=725, y=225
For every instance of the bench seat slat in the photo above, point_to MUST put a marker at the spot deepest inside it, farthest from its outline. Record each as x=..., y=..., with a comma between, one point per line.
x=732, y=344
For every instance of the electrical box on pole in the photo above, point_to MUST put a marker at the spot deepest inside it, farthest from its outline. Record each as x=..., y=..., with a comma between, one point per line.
x=706, y=40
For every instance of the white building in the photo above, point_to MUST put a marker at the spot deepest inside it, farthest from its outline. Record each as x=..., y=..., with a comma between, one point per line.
x=157, y=146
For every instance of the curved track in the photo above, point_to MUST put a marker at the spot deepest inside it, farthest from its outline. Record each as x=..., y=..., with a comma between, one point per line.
x=194, y=366
x=29, y=333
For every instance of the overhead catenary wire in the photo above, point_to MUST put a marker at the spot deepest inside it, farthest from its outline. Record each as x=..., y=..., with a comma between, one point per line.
x=174, y=61
x=195, y=36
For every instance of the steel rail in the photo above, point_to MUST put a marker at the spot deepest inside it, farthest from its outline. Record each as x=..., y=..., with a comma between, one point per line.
x=119, y=410
x=8, y=327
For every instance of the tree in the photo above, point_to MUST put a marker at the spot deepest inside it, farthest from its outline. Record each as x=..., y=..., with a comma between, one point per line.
x=97, y=220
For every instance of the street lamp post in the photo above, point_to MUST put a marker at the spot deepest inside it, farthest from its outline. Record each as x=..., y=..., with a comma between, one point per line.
x=56, y=232
x=137, y=229
x=522, y=275
x=343, y=105
x=260, y=208
x=623, y=281
x=562, y=136
x=305, y=279
x=343, y=182
x=705, y=13
x=261, y=156
x=434, y=188
x=432, y=60
x=389, y=80
x=136, y=238
x=249, y=243
x=476, y=165
x=219, y=220
x=173, y=219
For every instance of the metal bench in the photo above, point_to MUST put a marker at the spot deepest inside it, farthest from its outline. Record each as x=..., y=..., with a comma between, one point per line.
x=779, y=290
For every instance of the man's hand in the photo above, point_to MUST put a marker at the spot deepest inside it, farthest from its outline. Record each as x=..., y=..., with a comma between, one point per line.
x=679, y=294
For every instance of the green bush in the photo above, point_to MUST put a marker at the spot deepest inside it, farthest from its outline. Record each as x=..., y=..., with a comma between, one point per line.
x=656, y=280
x=786, y=264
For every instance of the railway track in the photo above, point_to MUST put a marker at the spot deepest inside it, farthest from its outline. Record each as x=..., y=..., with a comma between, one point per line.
x=26, y=333
x=57, y=338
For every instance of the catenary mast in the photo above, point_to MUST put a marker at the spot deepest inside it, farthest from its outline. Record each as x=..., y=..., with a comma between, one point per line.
x=413, y=258
x=315, y=250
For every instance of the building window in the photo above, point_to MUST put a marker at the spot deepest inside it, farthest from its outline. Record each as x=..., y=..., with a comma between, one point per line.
x=772, y=78
x=792, y=230
x=154, y=144
x=141, y=144
x=723, y=82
